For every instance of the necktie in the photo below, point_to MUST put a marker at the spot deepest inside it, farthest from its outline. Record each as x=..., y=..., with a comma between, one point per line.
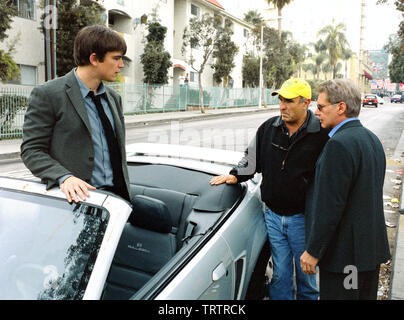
x=113, y=147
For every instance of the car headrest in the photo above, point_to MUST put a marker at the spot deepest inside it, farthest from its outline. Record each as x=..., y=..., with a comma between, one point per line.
x=150, y=213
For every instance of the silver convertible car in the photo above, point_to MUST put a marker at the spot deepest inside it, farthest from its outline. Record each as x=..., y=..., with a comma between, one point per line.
x=180, y=238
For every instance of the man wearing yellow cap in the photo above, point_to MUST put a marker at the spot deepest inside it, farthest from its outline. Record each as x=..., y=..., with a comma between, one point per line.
x=285, y=150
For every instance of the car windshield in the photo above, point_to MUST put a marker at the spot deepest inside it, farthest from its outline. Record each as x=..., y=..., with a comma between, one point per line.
x=47, y=246
x=370, y=97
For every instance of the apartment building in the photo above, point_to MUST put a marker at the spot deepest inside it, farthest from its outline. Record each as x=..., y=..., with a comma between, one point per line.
x=187, y=9
x=127, y=17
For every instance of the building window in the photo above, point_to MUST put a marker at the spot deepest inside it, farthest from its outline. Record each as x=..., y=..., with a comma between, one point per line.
x=195, y=10
x=25, y=8
x=121, y=2
x=28, y=75
x=193, y=77
x=246, y=33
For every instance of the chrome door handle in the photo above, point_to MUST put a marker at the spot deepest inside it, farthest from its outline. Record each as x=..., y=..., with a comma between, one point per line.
x=219, y=272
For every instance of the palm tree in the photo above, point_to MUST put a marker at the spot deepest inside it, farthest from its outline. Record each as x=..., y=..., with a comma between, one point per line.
x=253, y=17
x=335, y=41
x=315, y=66
x=318, y=59
x=347, y=54
x=326, y=68
x=279, y=4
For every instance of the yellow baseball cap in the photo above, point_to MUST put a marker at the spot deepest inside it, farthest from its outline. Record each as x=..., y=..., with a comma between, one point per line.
x=294, y=87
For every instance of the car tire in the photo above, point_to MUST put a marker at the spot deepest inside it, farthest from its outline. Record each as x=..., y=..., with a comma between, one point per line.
x=376, y=105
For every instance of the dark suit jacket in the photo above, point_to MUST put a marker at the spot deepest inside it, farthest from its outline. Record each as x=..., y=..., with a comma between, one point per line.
x=344, y=217
x=57, y=132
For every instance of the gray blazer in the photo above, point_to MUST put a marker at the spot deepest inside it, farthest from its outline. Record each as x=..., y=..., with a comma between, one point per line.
x=57, y=132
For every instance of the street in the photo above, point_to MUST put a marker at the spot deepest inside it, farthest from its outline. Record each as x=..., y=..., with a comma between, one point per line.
x=386, y=121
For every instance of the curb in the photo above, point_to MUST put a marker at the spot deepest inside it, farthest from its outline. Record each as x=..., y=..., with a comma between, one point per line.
x=397, y=274
x=9, y=156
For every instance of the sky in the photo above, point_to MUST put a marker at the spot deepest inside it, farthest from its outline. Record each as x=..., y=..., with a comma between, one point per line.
x=305, y=17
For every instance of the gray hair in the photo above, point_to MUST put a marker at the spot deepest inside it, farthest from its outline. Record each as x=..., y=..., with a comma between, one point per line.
x=343, y=90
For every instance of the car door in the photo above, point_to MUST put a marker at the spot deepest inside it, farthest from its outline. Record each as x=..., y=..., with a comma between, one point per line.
x=208, y=276
x=50, y=249
x=245, y=234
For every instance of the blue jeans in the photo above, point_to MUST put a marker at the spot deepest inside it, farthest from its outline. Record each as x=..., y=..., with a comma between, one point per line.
x=287, y=240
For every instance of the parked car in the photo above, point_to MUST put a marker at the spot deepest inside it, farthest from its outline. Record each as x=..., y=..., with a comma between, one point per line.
x=380, y=100
x=180, y=238
x=370, y=100
x=397, y=98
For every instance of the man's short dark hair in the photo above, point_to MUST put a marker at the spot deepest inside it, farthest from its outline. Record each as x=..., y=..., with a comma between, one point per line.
x=96, y=39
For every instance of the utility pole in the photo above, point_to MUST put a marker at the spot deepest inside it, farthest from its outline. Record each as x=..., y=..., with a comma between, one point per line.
x=50, y=26
x=261, y=45
x=360, y=71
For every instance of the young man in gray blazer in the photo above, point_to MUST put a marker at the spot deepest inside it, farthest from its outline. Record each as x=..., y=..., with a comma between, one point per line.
x=346, y=232
x=74, y=131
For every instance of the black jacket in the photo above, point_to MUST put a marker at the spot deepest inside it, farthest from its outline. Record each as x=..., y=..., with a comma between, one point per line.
x=287, y=166
x=345, y=212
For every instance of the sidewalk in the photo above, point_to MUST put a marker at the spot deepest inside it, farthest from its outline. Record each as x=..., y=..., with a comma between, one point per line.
x=10, y=149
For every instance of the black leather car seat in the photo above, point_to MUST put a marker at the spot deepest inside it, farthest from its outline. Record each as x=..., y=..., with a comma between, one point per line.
x=146, y=245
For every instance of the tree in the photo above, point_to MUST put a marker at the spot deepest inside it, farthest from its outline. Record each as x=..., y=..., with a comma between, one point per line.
x=395, y=46
x=203, y=34
x=282, y=55
x=347, y=54
x=156, y=61
x=8, y=68
x=253, y=17
x=281, y=58
x=7, y=11
x=317, y=60
x=224, y=51
x=279, y=4
x=72, y=15
x=335, y=41
x=251, y=69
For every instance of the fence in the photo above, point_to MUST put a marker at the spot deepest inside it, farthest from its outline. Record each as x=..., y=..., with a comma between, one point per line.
x=142, y=98
x=13, y=103
x=137, y=98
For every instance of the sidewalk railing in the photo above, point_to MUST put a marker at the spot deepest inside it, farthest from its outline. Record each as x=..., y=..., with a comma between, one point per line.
x=143, y=98
x=137, y=99
x=13, y=104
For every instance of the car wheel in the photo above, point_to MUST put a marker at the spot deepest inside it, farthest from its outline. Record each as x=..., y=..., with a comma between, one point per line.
x=376, y=105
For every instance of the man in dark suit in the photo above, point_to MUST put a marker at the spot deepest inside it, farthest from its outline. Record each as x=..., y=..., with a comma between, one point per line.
x=346, y=233
x=74, y=132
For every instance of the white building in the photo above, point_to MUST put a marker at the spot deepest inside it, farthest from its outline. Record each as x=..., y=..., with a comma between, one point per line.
x=29, y=49
x=125, y=17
